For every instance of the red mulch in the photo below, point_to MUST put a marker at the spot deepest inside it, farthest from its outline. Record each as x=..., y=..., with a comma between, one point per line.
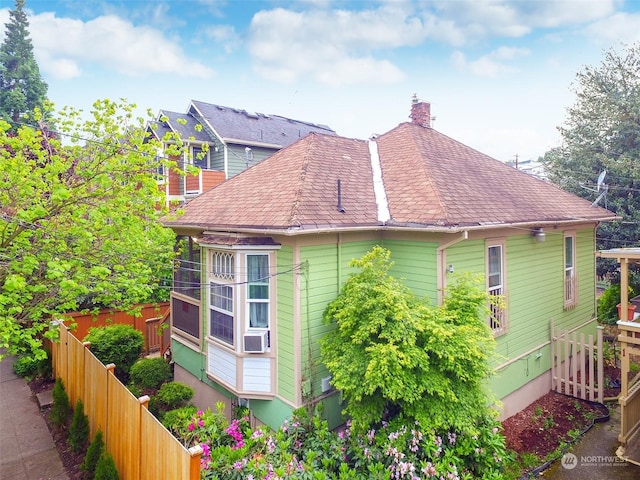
x=545, y=424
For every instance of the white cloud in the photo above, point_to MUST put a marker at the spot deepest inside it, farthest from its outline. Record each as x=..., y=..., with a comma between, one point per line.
x=621, y=27
x=333, y=47
x=62, y=45
x=474, y=20
x=491, y=65
x=225, y=35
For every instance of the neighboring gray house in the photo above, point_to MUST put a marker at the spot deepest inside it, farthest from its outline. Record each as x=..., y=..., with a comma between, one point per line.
x=236, y=139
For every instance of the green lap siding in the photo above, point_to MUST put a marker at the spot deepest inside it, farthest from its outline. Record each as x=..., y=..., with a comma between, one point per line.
x=416, y=264
x=534, y=281
x=286, y=383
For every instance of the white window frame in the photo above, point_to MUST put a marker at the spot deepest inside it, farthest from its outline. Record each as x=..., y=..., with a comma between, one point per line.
x=195, y=150
x=498, y=313
x=570, y=279
x=222, y=274
x=264, y=281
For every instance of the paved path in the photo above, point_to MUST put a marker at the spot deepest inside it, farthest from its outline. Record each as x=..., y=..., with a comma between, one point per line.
x=27, y=451
x=594, y=456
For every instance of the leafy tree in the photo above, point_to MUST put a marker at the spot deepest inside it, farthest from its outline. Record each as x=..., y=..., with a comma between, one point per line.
x=393, y=353
x=79, y=220
x=602, y=132
x=21, y=86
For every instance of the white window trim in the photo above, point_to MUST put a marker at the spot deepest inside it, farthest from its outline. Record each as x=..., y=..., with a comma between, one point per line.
x=248, y=301
x=226, y=278
x=501, y=289
x=570, y=288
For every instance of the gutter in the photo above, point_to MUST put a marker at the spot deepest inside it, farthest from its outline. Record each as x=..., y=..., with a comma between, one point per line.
x=291, y=231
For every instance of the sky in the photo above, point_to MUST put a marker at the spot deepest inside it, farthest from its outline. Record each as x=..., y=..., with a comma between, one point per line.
x=499, y=74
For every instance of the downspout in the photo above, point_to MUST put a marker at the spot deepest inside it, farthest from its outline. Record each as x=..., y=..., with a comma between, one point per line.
x=441, y=262
x=339, y=260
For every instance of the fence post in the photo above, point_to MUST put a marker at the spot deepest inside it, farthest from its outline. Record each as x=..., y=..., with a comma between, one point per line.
x=553, y=357
x=600, y=330
x=144, y=405
x=54, y=326
x=194, y=467
x=110, y=370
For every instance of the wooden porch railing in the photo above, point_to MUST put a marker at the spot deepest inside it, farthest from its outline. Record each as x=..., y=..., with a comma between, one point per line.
x=158, y=334
x=629, y=400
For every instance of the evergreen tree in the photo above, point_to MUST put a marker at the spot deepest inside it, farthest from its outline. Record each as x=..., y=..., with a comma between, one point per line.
x=21, y=86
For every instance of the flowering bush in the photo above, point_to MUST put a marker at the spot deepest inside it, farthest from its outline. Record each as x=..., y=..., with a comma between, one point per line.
x=304, y=448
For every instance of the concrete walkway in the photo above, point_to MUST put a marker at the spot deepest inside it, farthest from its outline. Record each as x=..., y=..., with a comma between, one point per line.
x=594, y=456
x=27, y=451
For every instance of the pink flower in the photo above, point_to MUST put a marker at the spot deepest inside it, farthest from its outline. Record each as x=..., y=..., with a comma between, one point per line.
x=191, y=427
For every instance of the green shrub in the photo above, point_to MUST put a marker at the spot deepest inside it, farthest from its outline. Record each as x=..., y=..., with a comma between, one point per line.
x=93, y=455
x=79, y=429
x=176, y=421
x=171, y=395
x=135, y=390
x=29, y=367
x=106, y=468
x=150, y=373
x=118, y=344
x=61, y=409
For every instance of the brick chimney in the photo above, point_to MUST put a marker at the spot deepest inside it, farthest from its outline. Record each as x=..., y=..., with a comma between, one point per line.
x=420, y=113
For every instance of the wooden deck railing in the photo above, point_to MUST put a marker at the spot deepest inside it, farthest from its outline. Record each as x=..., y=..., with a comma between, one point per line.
x=158, y=334
x=142, y=448
x=629, y=338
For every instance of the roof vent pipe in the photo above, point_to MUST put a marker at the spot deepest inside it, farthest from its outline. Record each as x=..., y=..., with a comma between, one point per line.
x=340, y=207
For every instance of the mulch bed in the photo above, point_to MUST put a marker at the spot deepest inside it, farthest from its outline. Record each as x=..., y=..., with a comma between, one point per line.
x=542, y=426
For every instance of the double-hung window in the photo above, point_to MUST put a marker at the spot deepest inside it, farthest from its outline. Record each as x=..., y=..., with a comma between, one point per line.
x=258, y=290
x=200, y=157
x=222, y=288
x=570, y=290
x=496, y=288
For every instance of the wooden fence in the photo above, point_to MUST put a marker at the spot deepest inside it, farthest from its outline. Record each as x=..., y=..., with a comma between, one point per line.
x=577, y=367
x=629, y=400
x=142, y=448
x=148, y=322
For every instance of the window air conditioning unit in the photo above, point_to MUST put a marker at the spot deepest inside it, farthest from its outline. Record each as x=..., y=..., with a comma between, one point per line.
x=256, y=342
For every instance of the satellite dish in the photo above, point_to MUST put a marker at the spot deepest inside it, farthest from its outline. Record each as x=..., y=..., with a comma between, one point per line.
x=601, y=179
x=601, y=186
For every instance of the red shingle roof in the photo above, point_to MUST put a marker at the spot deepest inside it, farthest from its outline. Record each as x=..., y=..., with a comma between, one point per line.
x=431, y=182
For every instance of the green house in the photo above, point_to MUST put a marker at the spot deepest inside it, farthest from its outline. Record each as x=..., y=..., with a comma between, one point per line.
x=263, y=254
